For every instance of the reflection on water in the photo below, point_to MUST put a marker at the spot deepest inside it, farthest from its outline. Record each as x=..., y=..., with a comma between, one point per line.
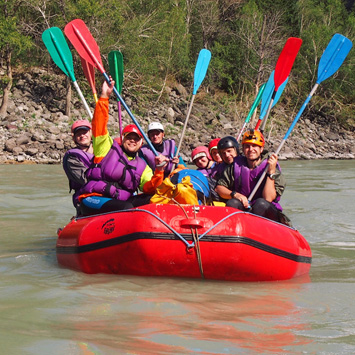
x=48, y=309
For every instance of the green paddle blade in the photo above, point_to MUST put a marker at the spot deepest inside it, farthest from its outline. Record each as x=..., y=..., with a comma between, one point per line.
x=58, y=48
x=115, y=62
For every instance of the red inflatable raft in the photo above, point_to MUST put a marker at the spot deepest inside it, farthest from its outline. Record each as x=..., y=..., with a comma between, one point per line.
x=218, y=243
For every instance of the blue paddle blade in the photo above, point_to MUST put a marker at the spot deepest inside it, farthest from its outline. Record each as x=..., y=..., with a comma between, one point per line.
x=333, y=56
x=269, y=90
x=203, y=61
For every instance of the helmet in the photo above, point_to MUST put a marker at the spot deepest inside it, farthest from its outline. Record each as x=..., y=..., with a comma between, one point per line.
x=228, y=142
x=131, y=128
x=213, y=144
x=199, y=152
x=254, y=137
x=155, y=125
x=80, y=124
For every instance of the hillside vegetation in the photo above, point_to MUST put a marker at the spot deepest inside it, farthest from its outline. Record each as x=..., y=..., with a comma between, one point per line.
x=160, y=42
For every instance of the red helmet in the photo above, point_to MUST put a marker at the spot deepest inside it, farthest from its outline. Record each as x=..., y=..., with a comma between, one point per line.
x=200, y=151
x=131, y=128
x=213, y=144
x=80, y=124
x=253, y=137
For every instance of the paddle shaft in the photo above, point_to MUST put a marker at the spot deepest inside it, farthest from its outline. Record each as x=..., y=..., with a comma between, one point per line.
x=261, y=179
x=262, y=127
x=183, y=130
x=130, y=114
x=87, y=108
x=119, y=116
x=252, y=109
x=69, y=73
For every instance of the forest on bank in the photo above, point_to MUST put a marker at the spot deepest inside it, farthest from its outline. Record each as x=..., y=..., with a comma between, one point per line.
x=160, y=41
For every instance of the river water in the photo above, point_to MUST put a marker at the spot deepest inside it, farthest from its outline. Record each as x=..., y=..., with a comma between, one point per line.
x=46, y=309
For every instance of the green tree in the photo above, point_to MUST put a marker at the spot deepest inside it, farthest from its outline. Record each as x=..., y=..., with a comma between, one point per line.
x=13, y=45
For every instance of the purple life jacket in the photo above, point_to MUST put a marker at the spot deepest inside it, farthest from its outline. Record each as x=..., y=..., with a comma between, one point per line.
x=87, y=159
x=169, y=151
x=213, y=171
x=245, y=179
x=115, y=176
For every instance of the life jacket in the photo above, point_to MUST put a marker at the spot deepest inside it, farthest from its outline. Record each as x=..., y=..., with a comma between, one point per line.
x=86, y=158
x=213, y=171
x=115, y=176
x=168, y=151
x=198, y=181
x=245, y=179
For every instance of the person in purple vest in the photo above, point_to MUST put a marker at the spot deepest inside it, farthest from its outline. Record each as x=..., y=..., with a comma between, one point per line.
x=163, y=146
x=240, y=177
x=76, y=161
x=117, y=172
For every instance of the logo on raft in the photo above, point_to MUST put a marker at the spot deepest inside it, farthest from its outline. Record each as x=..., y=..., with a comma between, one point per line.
x=109, y=226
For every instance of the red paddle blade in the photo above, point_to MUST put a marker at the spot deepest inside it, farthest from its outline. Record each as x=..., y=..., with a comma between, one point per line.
x=285, y=62
x=82, y=40
x=89, y=72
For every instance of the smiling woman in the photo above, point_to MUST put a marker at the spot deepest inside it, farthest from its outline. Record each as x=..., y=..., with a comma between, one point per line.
x=118, y=171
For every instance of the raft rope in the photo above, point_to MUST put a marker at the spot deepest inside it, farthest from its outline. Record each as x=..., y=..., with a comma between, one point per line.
x=197, y=247
x=194, y=234
x=189, y=245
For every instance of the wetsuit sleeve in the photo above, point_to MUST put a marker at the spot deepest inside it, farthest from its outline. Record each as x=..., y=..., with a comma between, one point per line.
x=154, y=181
x=226, y=178
x=75, y=170
x=280, y=182
x=101, y=139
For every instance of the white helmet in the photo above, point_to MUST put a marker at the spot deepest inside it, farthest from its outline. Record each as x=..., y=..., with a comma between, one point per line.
x=155, y=125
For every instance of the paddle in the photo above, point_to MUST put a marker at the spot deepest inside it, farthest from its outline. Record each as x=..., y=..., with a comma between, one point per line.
x=203, y=61
x=82, y=40
x=282, y=70
x=266, y=98
x=331, y=60
x=115, y=62
x=89, y=72
x=58, y=49
x=252, y=109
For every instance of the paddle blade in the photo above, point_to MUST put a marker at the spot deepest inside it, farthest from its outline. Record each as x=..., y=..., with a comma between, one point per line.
x=203, y=61
x=269, y=90
x=82, y=40
x=115, y=62
x=286, y=59
x=89, y=72
x=256, y=102
x=333, y=56
x=58, y=49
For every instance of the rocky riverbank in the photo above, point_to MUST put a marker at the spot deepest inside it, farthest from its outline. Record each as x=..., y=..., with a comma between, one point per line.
x=35, y=129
